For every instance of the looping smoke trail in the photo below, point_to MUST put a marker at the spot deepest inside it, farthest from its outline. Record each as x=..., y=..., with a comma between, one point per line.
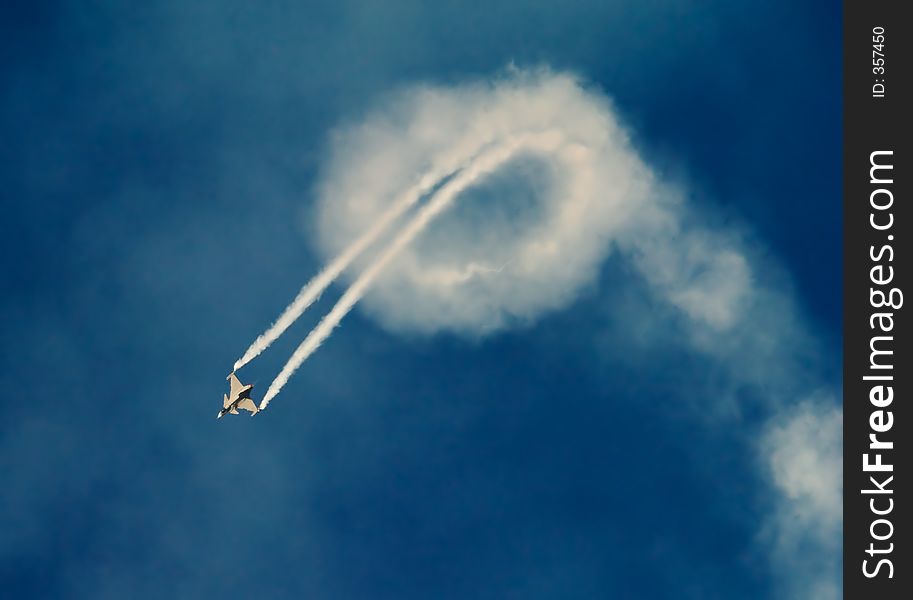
x=487, y=162
x=605, y=200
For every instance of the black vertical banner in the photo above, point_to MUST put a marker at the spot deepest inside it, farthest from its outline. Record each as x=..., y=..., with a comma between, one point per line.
x=878, y=370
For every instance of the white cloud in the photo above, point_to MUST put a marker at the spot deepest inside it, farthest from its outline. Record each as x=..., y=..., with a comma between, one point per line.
x=803, y=450
x=805, y=455
x=528, y=230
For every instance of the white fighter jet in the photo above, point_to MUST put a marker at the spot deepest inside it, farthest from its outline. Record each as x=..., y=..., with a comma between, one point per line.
x=237, y=398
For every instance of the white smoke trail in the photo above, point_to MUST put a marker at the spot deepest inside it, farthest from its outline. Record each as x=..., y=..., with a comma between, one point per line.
x=316, y=286
x=485, y=163
x=730, y=308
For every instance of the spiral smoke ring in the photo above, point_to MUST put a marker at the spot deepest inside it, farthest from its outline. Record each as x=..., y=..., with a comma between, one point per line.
x=391, y=177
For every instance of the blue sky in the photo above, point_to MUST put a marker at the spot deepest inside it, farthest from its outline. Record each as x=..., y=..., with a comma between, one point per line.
x=159, y=167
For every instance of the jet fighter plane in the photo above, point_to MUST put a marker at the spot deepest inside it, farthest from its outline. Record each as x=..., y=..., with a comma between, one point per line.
x=237, y=398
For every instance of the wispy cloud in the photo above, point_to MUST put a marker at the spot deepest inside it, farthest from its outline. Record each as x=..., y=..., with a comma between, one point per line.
x=592, y=196
x=803, y=450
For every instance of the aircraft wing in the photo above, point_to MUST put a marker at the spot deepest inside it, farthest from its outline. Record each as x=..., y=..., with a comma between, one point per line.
x=236, y=386
x=248, y=404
